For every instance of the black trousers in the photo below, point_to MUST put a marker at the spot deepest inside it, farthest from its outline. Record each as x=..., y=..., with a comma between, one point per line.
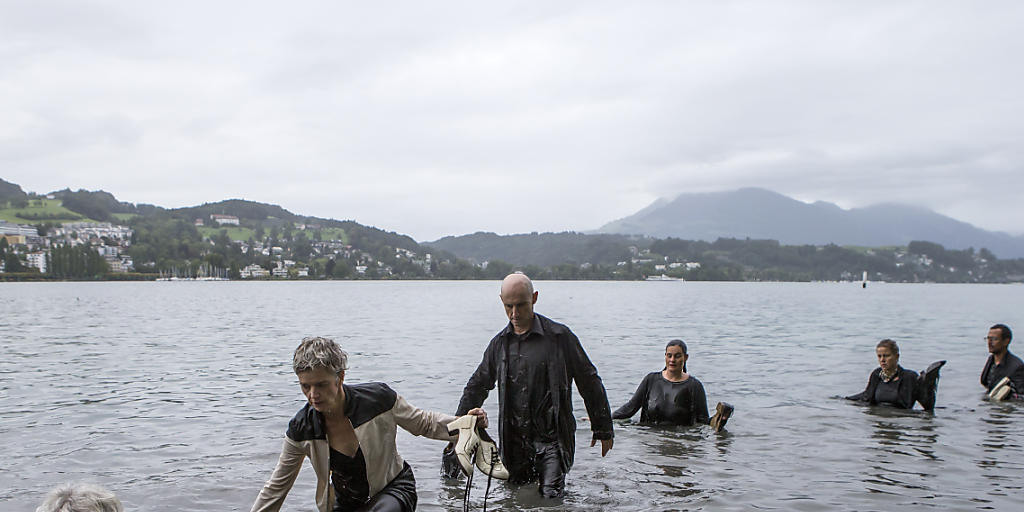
x=398, y=496
x=540, y=461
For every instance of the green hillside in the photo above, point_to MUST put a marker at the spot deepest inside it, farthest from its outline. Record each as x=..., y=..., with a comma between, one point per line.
x=234, y=232
x=40, y=210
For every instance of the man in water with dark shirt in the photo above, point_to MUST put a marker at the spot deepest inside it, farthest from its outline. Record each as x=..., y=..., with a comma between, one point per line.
x=1002, y=363
x=535, y=360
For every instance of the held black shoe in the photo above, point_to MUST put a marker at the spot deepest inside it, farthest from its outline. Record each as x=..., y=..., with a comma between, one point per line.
x=487, y=459
x=450, y=467
x=930, y=377
x=466, y=445
x=722, y=413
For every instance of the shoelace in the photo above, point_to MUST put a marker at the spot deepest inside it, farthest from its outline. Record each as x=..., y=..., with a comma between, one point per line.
x=469, y=487
x=469, y=480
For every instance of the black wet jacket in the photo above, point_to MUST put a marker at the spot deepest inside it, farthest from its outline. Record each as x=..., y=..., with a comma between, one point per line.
x=909, y=390
x=1012, y=367
x=666, y=402
x=566, y=362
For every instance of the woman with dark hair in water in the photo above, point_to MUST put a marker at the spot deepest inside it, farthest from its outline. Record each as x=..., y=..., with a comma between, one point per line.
x=673, y=396
x=891, y=384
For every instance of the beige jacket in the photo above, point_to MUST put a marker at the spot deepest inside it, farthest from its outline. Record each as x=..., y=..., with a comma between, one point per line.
x=375, y=410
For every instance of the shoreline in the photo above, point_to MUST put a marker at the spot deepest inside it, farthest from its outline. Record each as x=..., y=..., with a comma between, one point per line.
x=14, y=277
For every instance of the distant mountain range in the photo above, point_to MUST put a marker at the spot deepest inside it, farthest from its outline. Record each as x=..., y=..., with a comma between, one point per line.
x=762, y=214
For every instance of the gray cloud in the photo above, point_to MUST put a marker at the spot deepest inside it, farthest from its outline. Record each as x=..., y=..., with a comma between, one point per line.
x=445, y=119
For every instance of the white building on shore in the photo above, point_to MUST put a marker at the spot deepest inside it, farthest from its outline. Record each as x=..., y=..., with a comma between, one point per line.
x=253, y=271
x=224, y=219
x=37, y=260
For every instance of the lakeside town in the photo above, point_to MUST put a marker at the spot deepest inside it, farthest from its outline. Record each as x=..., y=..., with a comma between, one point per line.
x=298, y=250
x=93, y=236
x=112, y=243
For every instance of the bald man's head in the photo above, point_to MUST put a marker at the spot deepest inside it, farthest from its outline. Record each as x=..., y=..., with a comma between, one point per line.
x=518, y=297
x=513, y=281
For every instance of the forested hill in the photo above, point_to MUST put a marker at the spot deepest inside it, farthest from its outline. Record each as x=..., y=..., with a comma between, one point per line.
x=254, y=216
x=9, y=191
x=231, y=235
x=544, y=249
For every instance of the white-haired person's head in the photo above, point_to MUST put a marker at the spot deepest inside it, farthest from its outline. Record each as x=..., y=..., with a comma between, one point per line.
x=81, y=497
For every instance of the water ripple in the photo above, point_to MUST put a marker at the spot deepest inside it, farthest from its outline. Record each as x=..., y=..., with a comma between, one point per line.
x=177, y=397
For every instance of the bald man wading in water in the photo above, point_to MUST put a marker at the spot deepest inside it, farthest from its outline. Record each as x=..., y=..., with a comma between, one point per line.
x=534, y=361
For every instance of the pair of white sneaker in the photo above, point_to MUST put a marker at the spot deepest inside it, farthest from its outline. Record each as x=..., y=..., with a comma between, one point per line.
x=475, y=447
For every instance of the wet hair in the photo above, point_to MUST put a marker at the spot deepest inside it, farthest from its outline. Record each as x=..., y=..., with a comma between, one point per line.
x=889, y=344
x=317, y=352
x=80, y=497
x=680, y=344
x=1006, y=332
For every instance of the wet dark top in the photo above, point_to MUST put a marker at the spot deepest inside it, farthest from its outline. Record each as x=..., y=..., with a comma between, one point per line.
x=566, y=363
x=530, y=404
x=1012, y=367
x=348, y=476
x=663, y=401
x=888, y=393
x=902, y=392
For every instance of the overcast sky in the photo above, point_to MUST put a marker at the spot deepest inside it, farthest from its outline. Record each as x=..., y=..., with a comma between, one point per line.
x=440, y=118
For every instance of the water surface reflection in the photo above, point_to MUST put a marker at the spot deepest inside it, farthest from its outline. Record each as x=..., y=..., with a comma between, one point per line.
x=177, y=396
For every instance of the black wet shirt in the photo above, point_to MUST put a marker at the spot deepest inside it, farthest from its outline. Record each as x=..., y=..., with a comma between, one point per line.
x=529, y=398
x=348, y=476
x=1012, y=367
x=566, y=363
x=663, y=401
x=888, y=393
x=901, y=392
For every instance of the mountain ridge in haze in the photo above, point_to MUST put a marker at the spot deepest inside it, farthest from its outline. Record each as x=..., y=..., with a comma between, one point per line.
x=759, y=213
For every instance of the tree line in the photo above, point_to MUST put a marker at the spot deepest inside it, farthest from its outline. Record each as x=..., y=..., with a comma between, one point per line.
x=78, y=261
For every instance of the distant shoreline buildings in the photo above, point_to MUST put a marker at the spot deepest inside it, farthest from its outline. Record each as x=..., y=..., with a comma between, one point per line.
x=108, y=240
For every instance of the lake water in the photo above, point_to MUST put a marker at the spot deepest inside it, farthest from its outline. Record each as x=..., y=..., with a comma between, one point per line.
x=176, y=395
